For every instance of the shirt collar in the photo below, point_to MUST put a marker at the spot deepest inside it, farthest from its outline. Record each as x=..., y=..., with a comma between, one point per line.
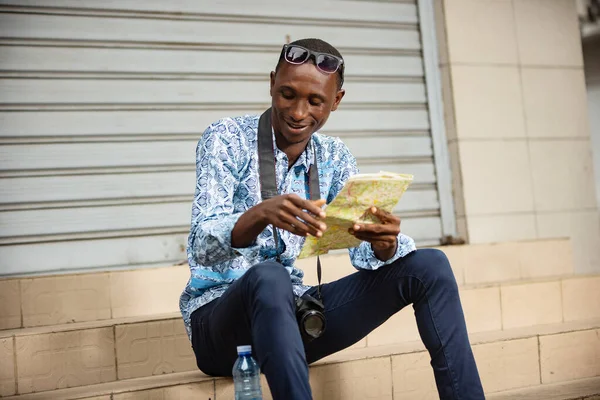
x=306, y=158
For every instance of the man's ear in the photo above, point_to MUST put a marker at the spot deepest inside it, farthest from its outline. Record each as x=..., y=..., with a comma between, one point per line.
x=338, y=98
x=272, y=83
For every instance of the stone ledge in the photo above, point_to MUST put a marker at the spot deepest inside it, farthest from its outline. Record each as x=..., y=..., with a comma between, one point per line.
x=131, y=385
x=18, y=332
x=489, y=348
x=474, y=338
x=588, y=389
x=135, y=347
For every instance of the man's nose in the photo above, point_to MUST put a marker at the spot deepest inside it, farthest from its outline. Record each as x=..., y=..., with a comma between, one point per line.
x=298, y=111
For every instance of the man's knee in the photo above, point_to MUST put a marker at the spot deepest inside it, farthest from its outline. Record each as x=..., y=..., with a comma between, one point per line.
x=433, y=265
x=269, y=272
x=269, y=281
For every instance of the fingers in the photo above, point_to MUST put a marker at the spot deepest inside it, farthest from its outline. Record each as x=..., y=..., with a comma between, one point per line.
x=371, y=236
x=377, y=229
x=294, y=219
x=375, y=238
x=384, y=216
x=307, y=218
x=385, y=233
x=292, y=224
x=319, y=203
x=313, y=207
x=390, y=224
x=297, y=206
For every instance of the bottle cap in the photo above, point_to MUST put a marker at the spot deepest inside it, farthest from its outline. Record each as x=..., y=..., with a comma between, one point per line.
x=244, y=349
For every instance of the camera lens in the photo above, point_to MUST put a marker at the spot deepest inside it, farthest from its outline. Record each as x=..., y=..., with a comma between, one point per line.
x=314, y=324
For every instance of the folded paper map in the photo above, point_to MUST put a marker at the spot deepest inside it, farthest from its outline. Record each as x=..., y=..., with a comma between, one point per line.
x=351, y=205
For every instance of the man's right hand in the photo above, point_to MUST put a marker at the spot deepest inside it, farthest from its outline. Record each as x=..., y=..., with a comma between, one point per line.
x=288, y=212
x=294, y=214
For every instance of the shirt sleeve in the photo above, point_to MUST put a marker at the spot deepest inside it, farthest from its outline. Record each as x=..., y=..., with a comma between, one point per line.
x=363, y=256
x=213, y=217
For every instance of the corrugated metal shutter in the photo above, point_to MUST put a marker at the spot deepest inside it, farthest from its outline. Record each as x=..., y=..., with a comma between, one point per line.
x=102, y=103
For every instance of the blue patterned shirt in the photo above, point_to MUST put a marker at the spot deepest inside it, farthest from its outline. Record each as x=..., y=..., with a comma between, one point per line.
x=227, y=185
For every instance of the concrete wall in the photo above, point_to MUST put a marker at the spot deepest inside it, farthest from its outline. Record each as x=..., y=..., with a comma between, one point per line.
x=516, y=115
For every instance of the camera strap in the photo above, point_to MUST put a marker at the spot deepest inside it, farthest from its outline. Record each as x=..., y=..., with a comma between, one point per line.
x=268, y=177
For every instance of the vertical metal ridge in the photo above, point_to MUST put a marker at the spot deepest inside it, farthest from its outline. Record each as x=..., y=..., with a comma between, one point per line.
x=436, y=116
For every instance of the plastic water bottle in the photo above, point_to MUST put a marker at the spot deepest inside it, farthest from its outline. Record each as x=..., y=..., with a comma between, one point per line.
x=246, y=375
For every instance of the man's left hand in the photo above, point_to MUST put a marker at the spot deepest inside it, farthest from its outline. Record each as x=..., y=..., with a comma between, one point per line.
x=383, y=236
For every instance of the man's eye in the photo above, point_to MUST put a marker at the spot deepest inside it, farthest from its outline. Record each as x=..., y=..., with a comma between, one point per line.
x=287, y=95
x=315, y=102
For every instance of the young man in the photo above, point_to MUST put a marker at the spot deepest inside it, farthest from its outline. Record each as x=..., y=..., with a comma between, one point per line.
x=243, y=286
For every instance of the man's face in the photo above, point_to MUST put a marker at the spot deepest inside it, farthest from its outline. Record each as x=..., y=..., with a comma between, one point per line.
x=302, y=99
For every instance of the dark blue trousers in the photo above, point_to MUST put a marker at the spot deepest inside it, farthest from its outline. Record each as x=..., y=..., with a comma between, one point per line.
x=259, y=309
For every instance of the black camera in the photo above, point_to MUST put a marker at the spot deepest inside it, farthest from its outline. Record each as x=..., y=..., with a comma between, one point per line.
x=311, y=320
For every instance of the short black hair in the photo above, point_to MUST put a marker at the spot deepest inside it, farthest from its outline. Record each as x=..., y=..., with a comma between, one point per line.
x=320, y=46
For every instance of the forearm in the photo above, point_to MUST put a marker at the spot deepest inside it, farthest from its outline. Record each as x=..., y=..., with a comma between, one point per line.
x=248, y=227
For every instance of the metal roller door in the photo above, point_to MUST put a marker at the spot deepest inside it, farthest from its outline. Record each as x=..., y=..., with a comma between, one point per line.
x=102, y=103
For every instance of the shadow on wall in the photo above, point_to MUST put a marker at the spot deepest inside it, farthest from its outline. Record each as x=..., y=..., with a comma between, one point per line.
x=591, y=58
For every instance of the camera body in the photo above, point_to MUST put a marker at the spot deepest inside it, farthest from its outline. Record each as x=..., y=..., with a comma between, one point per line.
x=311, y=317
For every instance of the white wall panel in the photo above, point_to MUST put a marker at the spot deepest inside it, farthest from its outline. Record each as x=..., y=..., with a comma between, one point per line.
x=89, y=254
x=94, y=219
x=89, y=155
x=423, y=171
x=180, y=152
x=75, y=91
x=87, y=123
x=55, y=221
x=425, y=229
x=395, y=146
x=97, y=187
x=102, y=103
x=137, y=250
x=43, y=189
x=311, y=9
x=166, y=31
x=161, y=61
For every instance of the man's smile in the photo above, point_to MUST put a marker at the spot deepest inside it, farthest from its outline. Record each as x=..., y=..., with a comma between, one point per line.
x=295, y=126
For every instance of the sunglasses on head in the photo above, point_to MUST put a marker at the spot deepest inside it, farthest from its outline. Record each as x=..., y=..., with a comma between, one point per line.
x=325, y=62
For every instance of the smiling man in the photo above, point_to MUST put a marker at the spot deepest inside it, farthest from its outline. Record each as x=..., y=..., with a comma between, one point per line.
x=244, y=287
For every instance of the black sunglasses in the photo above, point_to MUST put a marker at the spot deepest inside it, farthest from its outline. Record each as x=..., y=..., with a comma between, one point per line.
x=325, y=62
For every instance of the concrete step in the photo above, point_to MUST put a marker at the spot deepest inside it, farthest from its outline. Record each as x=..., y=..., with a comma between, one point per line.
x=59, y=299
x=582, y=389
x=78, y=354
x=510, y=359
x=508, y=305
